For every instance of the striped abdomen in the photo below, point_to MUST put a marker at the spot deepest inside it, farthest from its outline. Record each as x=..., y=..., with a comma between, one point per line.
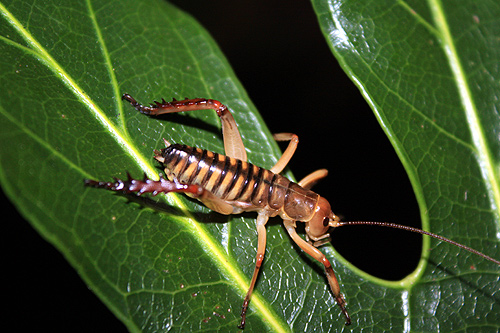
x=234, y=180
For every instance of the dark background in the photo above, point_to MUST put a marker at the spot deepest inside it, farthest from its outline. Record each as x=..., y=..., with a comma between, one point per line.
x=278, y=52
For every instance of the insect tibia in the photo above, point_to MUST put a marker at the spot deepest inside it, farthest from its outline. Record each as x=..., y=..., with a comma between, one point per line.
x=188, y=104
x=146, y=185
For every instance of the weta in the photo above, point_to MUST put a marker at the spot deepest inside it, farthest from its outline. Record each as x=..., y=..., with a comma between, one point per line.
x=228, y=184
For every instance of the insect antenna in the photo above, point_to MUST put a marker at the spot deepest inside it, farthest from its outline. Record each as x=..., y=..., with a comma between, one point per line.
x=418, y=231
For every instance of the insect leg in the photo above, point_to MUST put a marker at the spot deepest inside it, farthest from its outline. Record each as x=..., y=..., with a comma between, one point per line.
x=215, y=203
x=308, y=181
x=164, y=186
x=131, y=185
x=290, y=150
x=261, y=250
x=319, y=256
x=233, y=144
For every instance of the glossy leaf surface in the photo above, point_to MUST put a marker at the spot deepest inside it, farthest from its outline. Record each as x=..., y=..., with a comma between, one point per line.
x=430, y=72
x=64, y=69
x=168, y=262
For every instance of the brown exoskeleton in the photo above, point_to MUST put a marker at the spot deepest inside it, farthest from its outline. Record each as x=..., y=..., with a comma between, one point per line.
x=230, y=185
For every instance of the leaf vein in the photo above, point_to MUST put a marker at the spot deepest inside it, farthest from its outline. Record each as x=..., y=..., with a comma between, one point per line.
x=483, y=155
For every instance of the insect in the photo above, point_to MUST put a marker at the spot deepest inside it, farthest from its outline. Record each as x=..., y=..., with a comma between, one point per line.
x=228, y=184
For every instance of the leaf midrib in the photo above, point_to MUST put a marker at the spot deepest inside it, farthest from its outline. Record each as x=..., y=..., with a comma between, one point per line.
x=206, y=241
x=479, y=141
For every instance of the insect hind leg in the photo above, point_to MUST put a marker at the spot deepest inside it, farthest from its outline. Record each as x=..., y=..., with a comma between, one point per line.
x=131, y=185
x=233, y=144
x=163, y=185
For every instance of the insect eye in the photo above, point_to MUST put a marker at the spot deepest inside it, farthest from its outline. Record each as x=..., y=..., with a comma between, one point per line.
x=326, y=221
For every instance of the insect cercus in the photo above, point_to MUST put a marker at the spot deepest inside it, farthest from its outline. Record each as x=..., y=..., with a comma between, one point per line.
x=228, y=184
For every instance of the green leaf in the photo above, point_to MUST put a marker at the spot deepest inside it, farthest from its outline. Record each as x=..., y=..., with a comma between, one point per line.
x=168, y=262
x=430, y=72
x=64, y=68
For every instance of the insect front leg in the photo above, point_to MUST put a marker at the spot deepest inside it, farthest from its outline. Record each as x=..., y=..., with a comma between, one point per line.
x=261, y=250
x=233, y=144
x=319, y=256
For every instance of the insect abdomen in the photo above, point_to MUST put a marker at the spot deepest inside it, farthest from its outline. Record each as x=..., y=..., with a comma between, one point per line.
x=234, y=180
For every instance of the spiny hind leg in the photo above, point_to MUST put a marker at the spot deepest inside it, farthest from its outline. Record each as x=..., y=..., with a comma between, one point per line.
x=233, y=144
x=139, y=187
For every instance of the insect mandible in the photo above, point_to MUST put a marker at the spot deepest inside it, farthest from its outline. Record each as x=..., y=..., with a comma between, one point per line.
x=228, y=184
